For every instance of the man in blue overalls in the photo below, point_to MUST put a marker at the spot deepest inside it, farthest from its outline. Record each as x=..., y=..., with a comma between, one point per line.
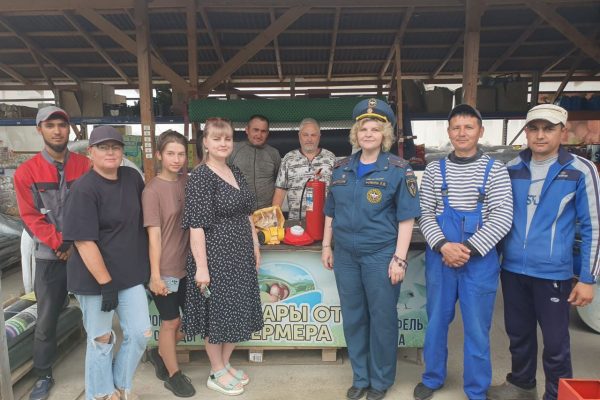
x=466, y=208
x=370, y=210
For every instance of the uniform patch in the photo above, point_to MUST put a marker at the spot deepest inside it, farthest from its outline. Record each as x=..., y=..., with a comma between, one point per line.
x=376, y=182
x=398, y=162
x=341, y=162
x=339, y=182
x=374, y=196
x=411, y=185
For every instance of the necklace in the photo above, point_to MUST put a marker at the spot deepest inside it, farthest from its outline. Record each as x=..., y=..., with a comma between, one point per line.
x=224, y=171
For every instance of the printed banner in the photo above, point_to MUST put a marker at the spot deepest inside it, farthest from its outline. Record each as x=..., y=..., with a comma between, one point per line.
x=301, y=306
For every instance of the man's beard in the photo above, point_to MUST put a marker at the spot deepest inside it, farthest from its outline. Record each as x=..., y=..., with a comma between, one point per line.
x=58, y=148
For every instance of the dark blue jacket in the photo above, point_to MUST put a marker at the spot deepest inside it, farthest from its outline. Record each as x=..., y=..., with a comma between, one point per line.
x=366, y=211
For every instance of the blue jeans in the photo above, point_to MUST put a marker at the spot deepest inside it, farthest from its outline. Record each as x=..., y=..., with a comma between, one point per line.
x=102, y=376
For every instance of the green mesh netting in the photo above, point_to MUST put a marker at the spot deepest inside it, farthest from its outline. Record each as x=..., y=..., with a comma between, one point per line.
x=277, y=110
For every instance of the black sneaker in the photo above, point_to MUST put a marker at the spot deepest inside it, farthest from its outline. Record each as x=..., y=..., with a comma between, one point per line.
x=374, y=394
x=41, y=389
x=422, y=392
x=159, y=365
x=355, y=393
x=180, y=385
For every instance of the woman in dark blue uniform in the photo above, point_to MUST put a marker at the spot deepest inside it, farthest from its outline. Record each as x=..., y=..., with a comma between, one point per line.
x=370, y=210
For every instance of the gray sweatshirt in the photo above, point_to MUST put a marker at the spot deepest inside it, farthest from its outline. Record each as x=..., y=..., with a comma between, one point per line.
x=260, y=166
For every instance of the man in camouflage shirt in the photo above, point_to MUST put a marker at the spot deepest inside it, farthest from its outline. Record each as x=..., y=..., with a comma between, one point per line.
x=299, y=165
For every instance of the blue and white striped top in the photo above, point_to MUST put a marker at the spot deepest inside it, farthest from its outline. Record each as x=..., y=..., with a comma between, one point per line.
x=463, y=181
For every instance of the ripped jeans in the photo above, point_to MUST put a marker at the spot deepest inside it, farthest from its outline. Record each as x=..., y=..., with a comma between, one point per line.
x=102, y=376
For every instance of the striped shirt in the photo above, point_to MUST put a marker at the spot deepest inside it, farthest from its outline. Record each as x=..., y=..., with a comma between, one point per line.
x=463, y=182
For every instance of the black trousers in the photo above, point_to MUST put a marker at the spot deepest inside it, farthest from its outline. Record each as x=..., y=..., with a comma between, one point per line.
x=529, y=301
x=50, y=288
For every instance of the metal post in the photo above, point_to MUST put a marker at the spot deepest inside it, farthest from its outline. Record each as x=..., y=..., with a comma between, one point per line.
x=6, y=391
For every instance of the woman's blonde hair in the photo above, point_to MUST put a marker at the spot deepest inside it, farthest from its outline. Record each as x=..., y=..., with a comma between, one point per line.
x=386, y=130
x=214, y=127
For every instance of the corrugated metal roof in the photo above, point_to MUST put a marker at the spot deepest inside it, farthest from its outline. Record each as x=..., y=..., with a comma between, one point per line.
x=10, y=43
x=445, y=19
x=237, y=20
x=363, y=39
x=304, y=55
x=167, y=20
x=362, y=43
x=507, y=16
x=390, y=20
x=305, y=39
x=27, y=24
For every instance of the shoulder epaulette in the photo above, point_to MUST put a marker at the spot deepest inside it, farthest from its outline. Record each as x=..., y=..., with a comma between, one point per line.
x=341, y=162
x=398, y=162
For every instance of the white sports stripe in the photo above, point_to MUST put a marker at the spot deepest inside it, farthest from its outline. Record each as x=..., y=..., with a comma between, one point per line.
x=592, y=190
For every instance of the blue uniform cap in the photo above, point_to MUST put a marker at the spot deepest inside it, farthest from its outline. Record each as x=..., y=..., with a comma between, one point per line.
x=374, y=108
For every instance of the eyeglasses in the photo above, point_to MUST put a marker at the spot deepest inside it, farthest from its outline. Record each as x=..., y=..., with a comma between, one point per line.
x=109, y=147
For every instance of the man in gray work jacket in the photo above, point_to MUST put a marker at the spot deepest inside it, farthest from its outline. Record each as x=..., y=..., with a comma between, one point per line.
x=257, y=160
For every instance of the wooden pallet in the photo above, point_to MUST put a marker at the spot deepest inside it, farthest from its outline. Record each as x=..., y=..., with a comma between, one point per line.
x=256, y=354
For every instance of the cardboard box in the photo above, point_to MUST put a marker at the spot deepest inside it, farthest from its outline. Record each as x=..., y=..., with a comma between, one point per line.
x=438, y=100
x=578, y=389
x=93, y=97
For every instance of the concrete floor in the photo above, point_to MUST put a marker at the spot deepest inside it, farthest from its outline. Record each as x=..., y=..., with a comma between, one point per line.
x=300, y=374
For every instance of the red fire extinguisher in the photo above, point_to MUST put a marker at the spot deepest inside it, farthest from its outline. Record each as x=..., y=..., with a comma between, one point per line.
x=315, y=202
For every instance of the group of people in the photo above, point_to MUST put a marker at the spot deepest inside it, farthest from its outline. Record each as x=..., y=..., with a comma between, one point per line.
x=104, y=236
x=482, y=221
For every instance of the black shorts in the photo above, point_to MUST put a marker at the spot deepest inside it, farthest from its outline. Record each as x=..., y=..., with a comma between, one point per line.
x=168, y=306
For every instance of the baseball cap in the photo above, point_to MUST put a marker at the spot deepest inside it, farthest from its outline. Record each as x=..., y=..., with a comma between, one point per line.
x=548, y=112
x=45, y=113
x=105, y=133
x=374, y=108
x=465, y=109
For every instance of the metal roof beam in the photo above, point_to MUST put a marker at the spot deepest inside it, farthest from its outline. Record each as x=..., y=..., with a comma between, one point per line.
x=36, y=50
x=154, y=49
x=474, y=10
x=276, y=48
x=582, y=56
x=14, y=74
x=192, y=43
x=334, y=35
x=588, y=46
x=232, y=65
x=449, y=54
x=516, y=44
x=53, y=5
x=40, y=65
x=71, y=18
x=212, y=34
x=130, y=45
x=397, y=40
x=560, y=59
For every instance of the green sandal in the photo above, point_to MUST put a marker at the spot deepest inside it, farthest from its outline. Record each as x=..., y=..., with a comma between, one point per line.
x=231, y=388
x=239, y=375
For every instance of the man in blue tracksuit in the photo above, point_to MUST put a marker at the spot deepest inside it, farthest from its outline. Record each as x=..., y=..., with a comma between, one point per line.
x=552, y=189
x=466, y=209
